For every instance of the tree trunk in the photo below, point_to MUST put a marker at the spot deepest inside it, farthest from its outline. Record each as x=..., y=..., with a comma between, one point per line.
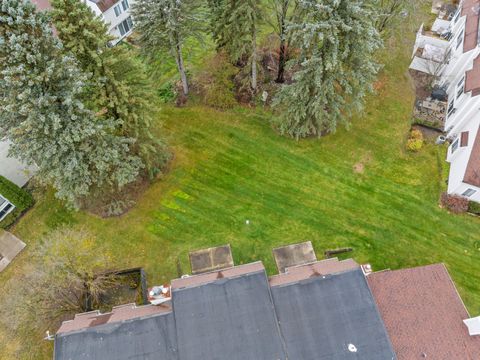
x=282, y=59
x=254, y=61
x=181, y=68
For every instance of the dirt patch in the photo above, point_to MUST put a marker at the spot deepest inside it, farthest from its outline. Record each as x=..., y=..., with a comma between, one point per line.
x=429, y=133
x=380, y=84
x=423, y=84
x=110, y=204
x=359, y=167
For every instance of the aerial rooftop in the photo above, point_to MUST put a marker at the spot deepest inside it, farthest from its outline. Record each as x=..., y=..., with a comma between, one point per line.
x=328, y=309
x=424, y=314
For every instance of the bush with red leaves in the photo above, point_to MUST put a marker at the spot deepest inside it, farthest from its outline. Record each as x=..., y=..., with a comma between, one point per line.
x=456, y=204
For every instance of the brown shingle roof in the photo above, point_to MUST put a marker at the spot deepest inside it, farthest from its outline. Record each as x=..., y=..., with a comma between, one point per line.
x=104, y=5
x=206, y=278
x=471, y=8
x=319, y=268
x=118, y=314
x=472, y=173
x=423, y=314
x=42, y=4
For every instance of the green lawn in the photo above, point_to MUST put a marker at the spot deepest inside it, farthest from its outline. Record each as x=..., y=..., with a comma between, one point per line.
x=231, y=166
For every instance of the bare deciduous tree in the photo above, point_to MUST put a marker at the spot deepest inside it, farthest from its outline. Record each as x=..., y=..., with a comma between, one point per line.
x=67, y=275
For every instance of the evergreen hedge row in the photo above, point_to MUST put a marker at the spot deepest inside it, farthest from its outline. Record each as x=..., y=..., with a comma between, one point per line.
x=21, y=198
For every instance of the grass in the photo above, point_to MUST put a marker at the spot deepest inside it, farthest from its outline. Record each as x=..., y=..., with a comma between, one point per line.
x=357, y=188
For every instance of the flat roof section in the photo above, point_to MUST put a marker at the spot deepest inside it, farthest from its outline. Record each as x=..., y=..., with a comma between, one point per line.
x=293, y=255
x=211, y=259
x=331, y=317
x=424, y=314
x=230, y=318
x=150, y=338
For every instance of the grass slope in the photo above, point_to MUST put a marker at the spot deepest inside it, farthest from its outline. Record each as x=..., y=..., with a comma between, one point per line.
x=231, y=166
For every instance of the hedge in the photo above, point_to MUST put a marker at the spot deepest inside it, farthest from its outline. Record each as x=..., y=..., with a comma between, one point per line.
x=21, y=198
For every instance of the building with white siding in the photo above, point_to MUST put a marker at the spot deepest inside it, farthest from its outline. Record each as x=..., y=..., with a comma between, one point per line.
x=451, y=53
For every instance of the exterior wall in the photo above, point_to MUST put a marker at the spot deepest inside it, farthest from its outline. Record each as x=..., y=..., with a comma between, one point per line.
x=465, y=115
x=111, y=19
x=459, y=159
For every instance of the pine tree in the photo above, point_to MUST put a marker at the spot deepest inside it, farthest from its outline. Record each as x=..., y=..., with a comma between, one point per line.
x=118, y=82
x=335, y=69
x=165, y=25
x=236, y=31
x=284, y=13
x=42, y=114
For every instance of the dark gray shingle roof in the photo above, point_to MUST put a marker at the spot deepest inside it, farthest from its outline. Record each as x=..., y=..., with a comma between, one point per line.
x=230, y=319
x=151, y=338
x=321, y=316
x=242, y=317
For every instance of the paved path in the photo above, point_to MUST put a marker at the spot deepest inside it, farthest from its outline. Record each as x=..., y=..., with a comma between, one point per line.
x=10, y=246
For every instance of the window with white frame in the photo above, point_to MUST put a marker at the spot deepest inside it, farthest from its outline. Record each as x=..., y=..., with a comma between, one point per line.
x=460, y=87
x=457, y=16
x=5, y=207
x=125, y=26
x=125, y=5
x=118, y=10
x=451, y=108
x=469, y=192
x=455, y=145
x=460, y=39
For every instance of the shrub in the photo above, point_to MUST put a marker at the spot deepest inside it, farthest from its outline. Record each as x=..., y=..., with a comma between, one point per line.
x=216, y=83
x=454, y=203
x=474, y=207
x=414, y=145
x=167, y=92
x=416, y=134
x=21, y=198
x=415, y=140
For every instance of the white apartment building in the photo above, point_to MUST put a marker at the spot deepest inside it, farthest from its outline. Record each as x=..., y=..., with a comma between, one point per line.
x=451, y=52
x=116, y=14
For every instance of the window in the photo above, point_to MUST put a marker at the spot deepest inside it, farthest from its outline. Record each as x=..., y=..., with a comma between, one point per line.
x=459, y=40
x=125, y=5
x=464, y=139
x=117, y=10
x=455, y=145
x=5, y=207
x=125, y=26
x=451, y=109
x=457, y=16
x=460, y=87
x=469, y=192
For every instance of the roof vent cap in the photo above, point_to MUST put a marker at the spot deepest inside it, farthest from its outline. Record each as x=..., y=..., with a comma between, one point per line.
x=352, y=348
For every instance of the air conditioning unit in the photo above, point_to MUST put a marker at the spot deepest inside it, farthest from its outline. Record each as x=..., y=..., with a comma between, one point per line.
x=441, y=140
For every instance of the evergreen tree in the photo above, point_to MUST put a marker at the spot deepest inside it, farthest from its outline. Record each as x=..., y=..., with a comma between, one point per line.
x=41, y=112
x=236, y=30
x=118, y=82
x=165, y=25
x=335, y=69
x=284, y=13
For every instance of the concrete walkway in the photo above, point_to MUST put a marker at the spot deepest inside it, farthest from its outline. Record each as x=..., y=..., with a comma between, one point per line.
x=12, y=169
x=10, y=246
